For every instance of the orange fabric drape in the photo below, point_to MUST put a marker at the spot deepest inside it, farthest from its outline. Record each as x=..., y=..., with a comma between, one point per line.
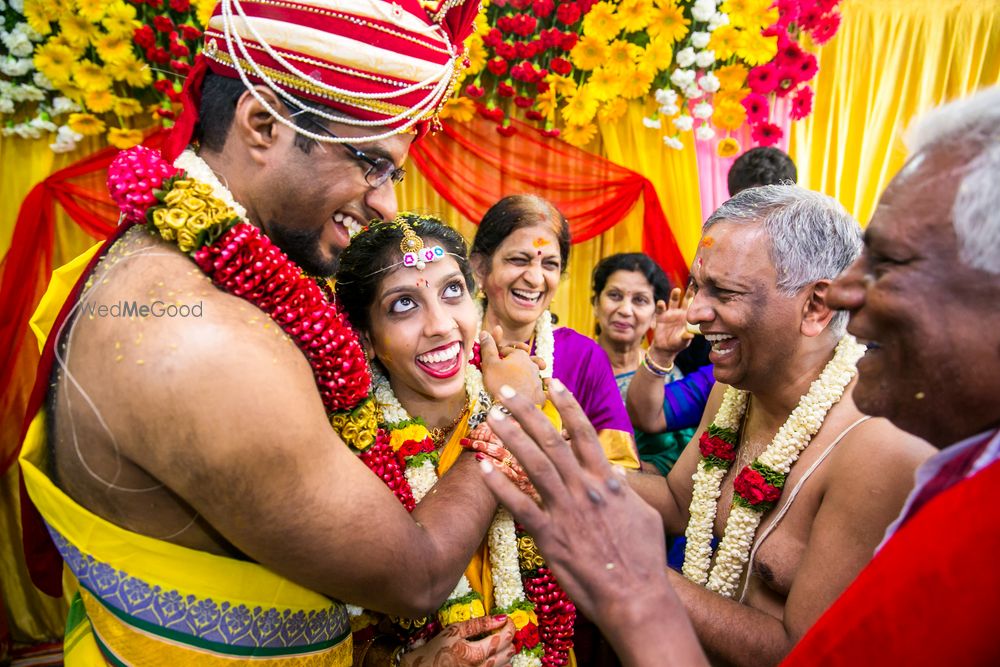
x=472, y=166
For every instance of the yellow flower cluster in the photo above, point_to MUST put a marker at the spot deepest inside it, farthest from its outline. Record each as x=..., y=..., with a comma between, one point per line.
x=190, y=209
x=90, y=57
x=461, y=611
x=414, y=431
x=623, y=49
x=521, y=618
x=359, y=426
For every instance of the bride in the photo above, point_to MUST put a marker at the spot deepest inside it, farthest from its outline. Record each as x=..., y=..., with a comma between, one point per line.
x=406, y=287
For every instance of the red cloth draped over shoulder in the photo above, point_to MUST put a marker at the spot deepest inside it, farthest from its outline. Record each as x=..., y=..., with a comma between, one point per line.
x=931, y=596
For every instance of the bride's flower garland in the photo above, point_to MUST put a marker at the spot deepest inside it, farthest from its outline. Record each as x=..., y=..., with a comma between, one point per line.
x=404, y=456
x=185, y=204
x=758, y=486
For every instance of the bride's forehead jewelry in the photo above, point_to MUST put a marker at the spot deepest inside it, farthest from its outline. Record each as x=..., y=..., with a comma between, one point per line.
x=414, y=252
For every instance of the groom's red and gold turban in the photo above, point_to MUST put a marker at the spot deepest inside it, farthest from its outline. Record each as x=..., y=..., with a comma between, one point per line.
x=387, y=66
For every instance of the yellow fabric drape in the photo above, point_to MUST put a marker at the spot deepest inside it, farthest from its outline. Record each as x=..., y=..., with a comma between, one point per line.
x=890, y=61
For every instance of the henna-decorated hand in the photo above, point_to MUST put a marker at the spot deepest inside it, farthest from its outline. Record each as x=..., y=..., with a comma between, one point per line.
x=490, y=447
x=513, y=368
x=454, y=648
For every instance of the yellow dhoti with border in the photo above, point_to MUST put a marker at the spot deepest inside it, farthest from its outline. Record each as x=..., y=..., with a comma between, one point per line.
x=143, y=601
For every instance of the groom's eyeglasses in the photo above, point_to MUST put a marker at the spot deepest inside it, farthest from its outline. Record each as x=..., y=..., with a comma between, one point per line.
x=380, y=169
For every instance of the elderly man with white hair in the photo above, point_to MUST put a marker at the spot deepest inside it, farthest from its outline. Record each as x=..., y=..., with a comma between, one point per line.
x=787, y=473
x=923, y=298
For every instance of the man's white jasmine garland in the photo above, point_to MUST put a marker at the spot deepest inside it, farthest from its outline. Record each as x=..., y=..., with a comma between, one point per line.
x=758, y=486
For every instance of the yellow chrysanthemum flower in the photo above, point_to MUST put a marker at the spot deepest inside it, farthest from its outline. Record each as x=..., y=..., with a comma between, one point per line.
x=90, y=76
x=724, y=41
x=601, y=22
x=589, y=52
x=86, y=124
x=459, y=109
x=127, y=107
x=482, y=22
x=659, y=53
x=580, y=107
x=638, y=83
x=578, y=135
x=756, y=49
x=563, y=86
x=476, y=53
x=622, y=56
x=635, y=14
x=55, y=60
x=728, y=147
x=731, y=77
x=113, y=47
x=77, y=31
x=613, y=110
x=121, y=137
x=546, y=103
x=120, y=19
x=92, y=10
x=668, y=22
x=99, y=101
x=735, y=96
x=604, y=84
x=729, y=115
x=750, y=14
x=41, y=13
x=139, y=76
x=204, y=10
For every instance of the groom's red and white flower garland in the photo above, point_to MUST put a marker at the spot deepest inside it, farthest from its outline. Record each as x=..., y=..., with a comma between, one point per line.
x=758, y=486
x=198, y=213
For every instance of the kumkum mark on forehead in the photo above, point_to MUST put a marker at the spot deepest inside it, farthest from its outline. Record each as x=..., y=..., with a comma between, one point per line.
x=540, y=242
x=707, y=242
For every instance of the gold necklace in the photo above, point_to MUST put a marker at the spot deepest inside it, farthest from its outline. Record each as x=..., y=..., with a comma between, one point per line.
x=438, y=435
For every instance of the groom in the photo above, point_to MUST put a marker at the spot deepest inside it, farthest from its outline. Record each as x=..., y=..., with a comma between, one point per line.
x=186, y=467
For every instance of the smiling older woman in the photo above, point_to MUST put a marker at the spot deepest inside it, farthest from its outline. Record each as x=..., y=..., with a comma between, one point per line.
x=520, y=252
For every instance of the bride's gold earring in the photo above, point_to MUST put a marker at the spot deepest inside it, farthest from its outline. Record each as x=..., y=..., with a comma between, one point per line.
x=480, y=294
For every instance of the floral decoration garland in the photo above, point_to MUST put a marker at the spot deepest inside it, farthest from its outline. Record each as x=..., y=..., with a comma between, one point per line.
x=758, y=486
x=568, y=64
x=404, y=457
x=104, y=65
x=545, y=344
x=242, y=261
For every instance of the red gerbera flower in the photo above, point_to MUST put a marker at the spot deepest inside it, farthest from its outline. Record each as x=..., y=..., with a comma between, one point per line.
x=763, y=79
x=826, y=28
x=766, y=134
x=757, y=107
x=802, y=103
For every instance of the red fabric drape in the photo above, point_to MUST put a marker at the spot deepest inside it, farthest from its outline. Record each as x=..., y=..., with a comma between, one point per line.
x=472, y=166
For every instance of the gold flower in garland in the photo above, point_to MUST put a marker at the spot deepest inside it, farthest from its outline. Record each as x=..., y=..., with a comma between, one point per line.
x=359, y=426
x=461, y=612
x=189, y=210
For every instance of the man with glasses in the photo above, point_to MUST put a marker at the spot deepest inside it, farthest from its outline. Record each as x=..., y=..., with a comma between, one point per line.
x=186, y=468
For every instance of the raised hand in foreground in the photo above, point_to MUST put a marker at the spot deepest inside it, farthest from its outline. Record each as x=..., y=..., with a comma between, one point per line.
x=604, y=544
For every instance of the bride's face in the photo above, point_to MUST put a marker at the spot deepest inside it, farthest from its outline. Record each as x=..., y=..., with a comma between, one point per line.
x=423, y=324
